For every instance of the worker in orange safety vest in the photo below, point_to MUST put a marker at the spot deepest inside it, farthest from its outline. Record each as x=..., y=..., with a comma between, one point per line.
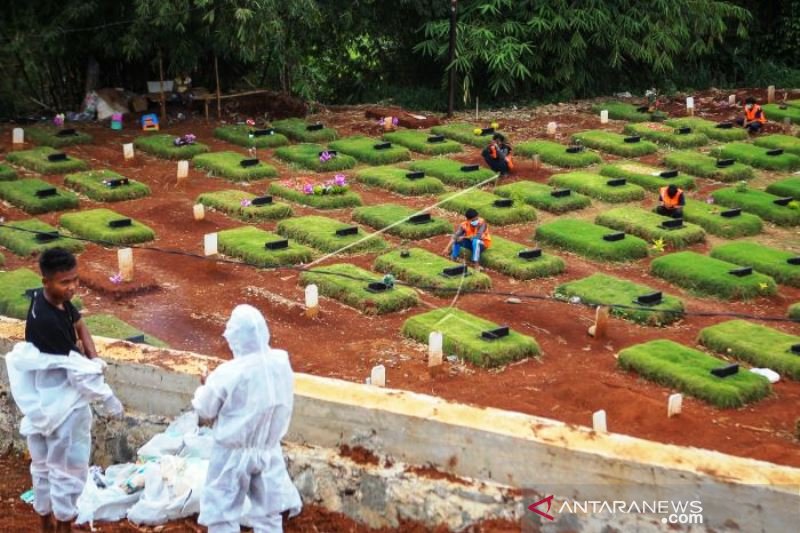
x=754, y=117
x=671, y=200
x=472, y=234
x=498, y=155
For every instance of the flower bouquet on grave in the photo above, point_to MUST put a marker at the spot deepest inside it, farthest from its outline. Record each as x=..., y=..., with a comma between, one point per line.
x=389, y=123
x=185, y=140
x=326, y=156
x=338, y=185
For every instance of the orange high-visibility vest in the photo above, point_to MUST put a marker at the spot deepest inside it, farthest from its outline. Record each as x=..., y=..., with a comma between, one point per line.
x=471, y=231
x=670, y=202
x=753, y=114
x=494, y=155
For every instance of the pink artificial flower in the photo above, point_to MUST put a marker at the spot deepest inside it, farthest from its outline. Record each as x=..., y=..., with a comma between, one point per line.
x=116, y=279
x=308, y=189
x=340, y=180
x=710, y=200
x=250, y=122
x=245, y=202
x=324, y=156
x=395, y=122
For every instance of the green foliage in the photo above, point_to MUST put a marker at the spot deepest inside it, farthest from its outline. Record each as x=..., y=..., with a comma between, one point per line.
x=614, y=143
x=307, y=156
x=775, y=113
x=240, y=134
x=363, y=149
x=93, y=224
x=296, y=129
x=769, y=261
x=647, y=225
x=709, y=218
x=450, y=173
x=394, y=179
x=25, y=244
x=624, y=111
x=417, y=141
x=163, y=146
x=13, y=284
x=709, y=129
x=787, y=143
x=91, y=184
x=48, y=136
x=585, y=238
x=757, y=157
x=227, y=165
x=538, y=195
x=22, y=194
x=785, y=187
x=554, y=153
x=463, y=133
x=596, y=186
x=384, y=215
x=484, y=203
x=114, y=328
x=667, y=135
x=794, y=312
x=759, y=203
x=7, y=173
x=705, y=166
x=689, y=371
x=320, y=201
x=503, y=256
x=248, y=244
x=646, y=176
x=36, y=159
x=320, y=233
x=230, y=202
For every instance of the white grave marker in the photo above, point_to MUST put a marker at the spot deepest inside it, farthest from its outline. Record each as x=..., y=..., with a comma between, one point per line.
x=312, y=301
x=210, y=244
x=551, y=128
x=690, y=105
x=435, y=353
x=183, y=170
x=770, y=94
x=604, y=116
x=125, y=262
x=674, y=404
x=127, y=151
x=599, y=421
x=378, y=376
x=199, y=211
x=732, y=99
x=18, y=136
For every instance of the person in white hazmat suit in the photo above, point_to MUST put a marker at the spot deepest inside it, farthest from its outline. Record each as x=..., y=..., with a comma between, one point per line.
x=250, y=399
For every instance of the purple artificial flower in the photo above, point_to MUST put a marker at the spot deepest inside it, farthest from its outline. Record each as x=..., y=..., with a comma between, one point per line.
x=245, y=202
x=339, y=180
x=395, y=122
x=710, y=200
x=116, y=279
x=308, y=189
x=189, y=138
x=324, y=156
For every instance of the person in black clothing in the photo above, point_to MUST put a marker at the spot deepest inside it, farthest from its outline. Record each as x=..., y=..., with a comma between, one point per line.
x=498, y=155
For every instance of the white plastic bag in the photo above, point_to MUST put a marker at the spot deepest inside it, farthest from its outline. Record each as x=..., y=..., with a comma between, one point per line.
x=771, y=375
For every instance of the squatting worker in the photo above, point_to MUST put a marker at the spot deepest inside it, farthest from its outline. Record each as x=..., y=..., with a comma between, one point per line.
x=53, y=380
x=250, y=400
x=671, y=201
x=754, y=117
x=498, y=155
x=472, y=234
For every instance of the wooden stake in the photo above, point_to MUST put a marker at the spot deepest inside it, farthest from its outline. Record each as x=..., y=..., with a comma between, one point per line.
x=125, y=263
x=219, y=94
x=161, y=86
x=435, y=354
x=770, y=94
x=312, y=301
x=600, y=327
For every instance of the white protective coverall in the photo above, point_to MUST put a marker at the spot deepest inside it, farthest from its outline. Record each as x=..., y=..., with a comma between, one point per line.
x=251, y=398
x=53, y=392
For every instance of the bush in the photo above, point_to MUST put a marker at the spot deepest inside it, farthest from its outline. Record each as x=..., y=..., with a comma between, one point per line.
x=450, y=173
x=114, y=328
x=247, y=243
x=384, y=215
x=554, y=153
x=423, y=270
x=48, y=136
x=394, y=179
x=708, y=276
x=36, y=159
x=296, y=129
x=785, y=187
x=769, y=261
x=348, y=284
x=538, y=195
x=7, y=173
x=320, y=201
x=709, y=218
x=503, y=256
x=163, y=145
x=646, y=176
x=463, y=133
x=758, y=345
x=93, y=224
x=596, y=186
x=585, y=238
x=363, y=149
x=709, y=129
x=24, y=243
x=760, y=203
x=756, y=156
x=776, y=114
x=320, y=233
x=600, y=289
x=91, y=184
x=418, y=142
x=231, y=202
x=484, y=202
x=461, y=335
x=623, y=111
x=614, y=143
x=307, y=156
x=787, y=143
x=22, y=194
x=647, y=225
x=228, y=165
x=667, y=135
x=240, y=134
x=676, y=366
x=706, y=166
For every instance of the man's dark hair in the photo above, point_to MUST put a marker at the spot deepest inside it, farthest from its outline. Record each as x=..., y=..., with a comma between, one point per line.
x=56, y=260
x=750, y=100
x=499, y=137
x=672, y=190
x=471, y=213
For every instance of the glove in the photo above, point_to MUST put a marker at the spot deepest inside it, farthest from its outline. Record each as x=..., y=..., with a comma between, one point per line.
x=113, y=407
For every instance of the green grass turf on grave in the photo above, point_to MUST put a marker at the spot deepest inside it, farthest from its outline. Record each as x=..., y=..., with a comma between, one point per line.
x=585, y=238
x=320, y=233
x=384, y=215
x=614, y=143
x=91, y=184
x=769, y=261
x=647, y=225
x=363, y=149
x=93, y=224
x=708, y=276
x=114, y=328
x=757, y=156
x=483, y=201
x=596, y=186
x=461, y=335
x=424, y=269
x=689, y=371
x=554, y=153
x=709, y=129
x=320, y=201
x=776, y=114
x=646, y=176
x=662, y=134
x=307, y=156
x=417, y=141
x=785, y=187
x=227, y=165
x=623, y=111
x=239, y=134
x=248, y=244
x=230, y=202
x=163, y=145
x=394, y=179
x=450, y=173
x=758, y=345
x=538, y=195
x=600, y=289
x=22, y=194
x=705, y=166
x=296, y=129
x=36, y=159
x=708, y=217
x=463, y=133
x=759, y=203
x=13, y=284
x=794, y=311
x=7, y=173
x=348, y=284
x=48, y=136
x=787, y=143
x=24, y=243
x=503, y=256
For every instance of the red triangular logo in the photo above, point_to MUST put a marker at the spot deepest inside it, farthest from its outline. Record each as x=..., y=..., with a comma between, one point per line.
x=533, y=507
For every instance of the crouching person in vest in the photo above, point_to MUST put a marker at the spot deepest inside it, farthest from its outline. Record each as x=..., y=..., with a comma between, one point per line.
x=472, y=234
x=754, y=118
x=671, y=201
x=498, y=155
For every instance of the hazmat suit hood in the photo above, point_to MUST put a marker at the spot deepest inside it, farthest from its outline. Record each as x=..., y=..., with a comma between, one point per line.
x=247, y=332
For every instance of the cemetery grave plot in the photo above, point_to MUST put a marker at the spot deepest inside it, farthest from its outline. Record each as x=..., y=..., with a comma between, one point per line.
x=427, y=271
x=466, y=133
x=105, y=325
x=470, y=337
x=262, y=248
x=650, y=226
x=338, y=198
x=781, y=265
x=590, y=240
x=163, y=146
x=720, y=220
x=419, y=225
x=758, y=345
x=423, y=142
x=785, y=187
x=243, y=135
x=706, y=166
x=758, y=157
x=301, y=131
x=240, y=205
x=776, y=114
x=7, y=173
x=46, y=160
x=453, y=173
x=760, y=203
x=361, y=289
x=689, y=371
x=106, y=186
x=648, y=177
x=106, y=225
x=712, y=277
x=315, y=157
x=36, y=196
x=710, y=129
x=57, y=137
x=400, y=180
x=613, y=190
x=794, y=311
x=330, y=235
x=371, y=151
x=787, y=143
x=624, y=111
x=24, y=243
x=234, y=166
x=492, y=208
x=552, y=199
x=614, y=143
x=518, y=261
x=557, y=154
x=14, y=302
x=661, y=133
